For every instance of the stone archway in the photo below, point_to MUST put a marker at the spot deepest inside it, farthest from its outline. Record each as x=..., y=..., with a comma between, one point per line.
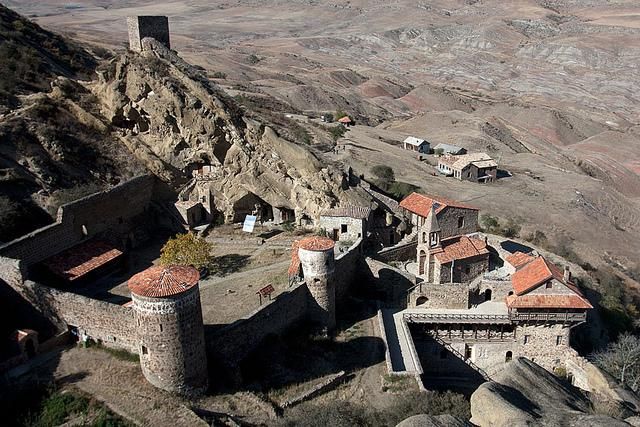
x=508, y=356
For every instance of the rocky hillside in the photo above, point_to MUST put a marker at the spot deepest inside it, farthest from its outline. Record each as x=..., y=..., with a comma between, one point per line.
x=32, y=57
x=63, y=136
x=524, y=394
x=175, y=120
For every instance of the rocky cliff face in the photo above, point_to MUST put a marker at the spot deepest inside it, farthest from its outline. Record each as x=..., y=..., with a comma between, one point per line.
x=176, y=121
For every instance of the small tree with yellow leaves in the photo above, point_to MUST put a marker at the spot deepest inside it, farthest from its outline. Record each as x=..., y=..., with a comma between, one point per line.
x=186, y=249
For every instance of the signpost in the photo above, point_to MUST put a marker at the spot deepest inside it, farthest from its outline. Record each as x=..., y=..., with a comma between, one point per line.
x=249, y=223
x=265, y=292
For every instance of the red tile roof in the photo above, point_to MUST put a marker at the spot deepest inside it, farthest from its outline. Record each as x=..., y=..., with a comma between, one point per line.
x=536, y=273
x=316, y=243
x=161, y=281
x=519, y=259
x=294, y=267
x=76, y=262
x=548, y=301
x=420, y=204
x=460, y=247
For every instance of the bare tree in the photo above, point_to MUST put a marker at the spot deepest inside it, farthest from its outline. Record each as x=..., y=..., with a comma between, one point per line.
x=622, y=360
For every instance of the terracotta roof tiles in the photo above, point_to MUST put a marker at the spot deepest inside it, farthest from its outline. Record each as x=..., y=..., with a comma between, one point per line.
x=161, y=281
x=78, y=261
x=420, y=204
x=316, y=243
x=548, y=301
x=460, y=247
x=534, y=274
x=519, y=259
x=294, y=267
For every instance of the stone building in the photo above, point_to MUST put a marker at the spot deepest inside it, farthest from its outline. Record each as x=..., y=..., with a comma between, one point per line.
x=455, y=259
x=416, y=144
x=345, y=224
x=168, y=318
x=140, y=27
x=454, y=218
x=476, y=167
x=317, y=260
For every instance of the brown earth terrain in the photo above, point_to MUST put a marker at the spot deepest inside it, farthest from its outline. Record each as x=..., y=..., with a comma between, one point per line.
x=550, y=88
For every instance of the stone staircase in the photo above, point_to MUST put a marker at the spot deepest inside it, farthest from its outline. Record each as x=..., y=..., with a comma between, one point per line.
x=461, y=357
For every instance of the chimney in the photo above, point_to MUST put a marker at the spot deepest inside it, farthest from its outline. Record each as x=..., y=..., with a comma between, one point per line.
x=567, y=274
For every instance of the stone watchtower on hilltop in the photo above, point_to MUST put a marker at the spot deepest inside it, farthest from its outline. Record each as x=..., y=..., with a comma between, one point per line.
x=168, y=317
x=156, y=27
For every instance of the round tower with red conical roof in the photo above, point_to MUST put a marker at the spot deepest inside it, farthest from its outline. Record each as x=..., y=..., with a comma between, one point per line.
x=168, y=316
x=318, y=265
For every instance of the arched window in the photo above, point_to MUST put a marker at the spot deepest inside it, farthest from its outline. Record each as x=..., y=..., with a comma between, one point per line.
x=508, y=356
x=424, y=237
x=421, y=300
x=510, y=292
x=487, y=295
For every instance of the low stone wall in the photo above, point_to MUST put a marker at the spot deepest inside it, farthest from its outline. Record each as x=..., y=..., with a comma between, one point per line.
x=111, y=324
x=401, y=252
x=234, y=342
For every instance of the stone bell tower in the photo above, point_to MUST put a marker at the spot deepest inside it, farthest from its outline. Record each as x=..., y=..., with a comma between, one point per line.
x=428, y=244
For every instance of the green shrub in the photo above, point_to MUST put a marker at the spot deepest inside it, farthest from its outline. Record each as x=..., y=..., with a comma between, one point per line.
x=219, y=75
x=489, y=223
x=58, y=406
x=383, y=172
x=253, y=59
x=337, y=132
x=400, y=190
x=300, y=134
x=339, y=114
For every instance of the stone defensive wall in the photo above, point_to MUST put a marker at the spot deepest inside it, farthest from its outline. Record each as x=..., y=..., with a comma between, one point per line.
x=111, y=324
x=108, y=211
x=399, y=252
x=348, y=266
x=391, y=281
x=237, y=340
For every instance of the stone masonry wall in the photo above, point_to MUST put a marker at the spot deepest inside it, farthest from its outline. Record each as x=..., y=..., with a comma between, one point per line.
x=234, y=342
x=109, y=210
x=392, y=284
x=476, y=265
x=346, y=271
x=156, y=27
x=401, y=252
x=443, y=295
x=112, y=324
x=171, y=336
x=448, y=222
x=355, y=227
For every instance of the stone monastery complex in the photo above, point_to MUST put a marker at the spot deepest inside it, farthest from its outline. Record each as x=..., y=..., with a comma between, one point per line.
x=455, y=302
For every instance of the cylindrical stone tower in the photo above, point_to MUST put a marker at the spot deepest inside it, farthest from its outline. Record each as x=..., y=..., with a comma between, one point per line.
x=168, y=316
x=317, y=260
